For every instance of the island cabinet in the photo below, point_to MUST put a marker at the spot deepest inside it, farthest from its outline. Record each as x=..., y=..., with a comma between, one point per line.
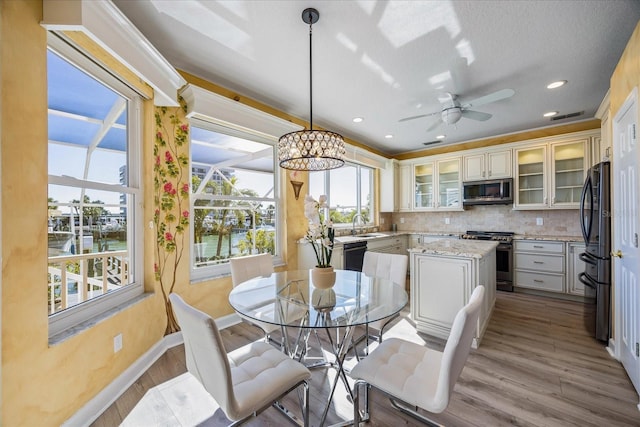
x=443, y=276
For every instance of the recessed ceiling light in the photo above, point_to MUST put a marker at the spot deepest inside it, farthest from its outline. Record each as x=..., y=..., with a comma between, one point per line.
x=357, y=119
x=550, y=114
x=389, y=136
x=440, y=136
x=556, y=84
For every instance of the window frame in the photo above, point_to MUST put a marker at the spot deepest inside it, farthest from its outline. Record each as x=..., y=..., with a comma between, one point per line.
x=203, y=273
x=327, y=186
x=91, y=309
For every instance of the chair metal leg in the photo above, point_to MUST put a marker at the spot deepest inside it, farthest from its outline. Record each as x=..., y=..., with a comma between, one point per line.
x=305, y=407
x=413, y=413
x=357, y=416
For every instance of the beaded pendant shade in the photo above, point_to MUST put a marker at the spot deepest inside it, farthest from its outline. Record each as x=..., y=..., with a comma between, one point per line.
x=311, y=150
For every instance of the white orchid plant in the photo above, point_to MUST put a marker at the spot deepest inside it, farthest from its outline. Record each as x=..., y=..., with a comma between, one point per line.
x=320, y=233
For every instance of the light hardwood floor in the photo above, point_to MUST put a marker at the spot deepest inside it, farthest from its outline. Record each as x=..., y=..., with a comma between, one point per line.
x=536, y=366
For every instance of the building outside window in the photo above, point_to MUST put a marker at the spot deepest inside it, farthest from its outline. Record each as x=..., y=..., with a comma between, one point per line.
x=94, y=228
x=233, y=198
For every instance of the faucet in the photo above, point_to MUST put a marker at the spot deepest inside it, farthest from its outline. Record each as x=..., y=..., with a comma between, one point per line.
x=353, y=226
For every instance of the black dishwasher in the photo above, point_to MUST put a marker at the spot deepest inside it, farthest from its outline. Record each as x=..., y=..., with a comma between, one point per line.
x=354, y=255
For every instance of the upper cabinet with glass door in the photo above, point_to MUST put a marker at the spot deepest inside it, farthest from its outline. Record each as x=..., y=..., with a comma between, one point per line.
x=531, y=178
x=437, y=185
x=550, y=175
x=423, y=175
x=449, y=184
x=569, y=166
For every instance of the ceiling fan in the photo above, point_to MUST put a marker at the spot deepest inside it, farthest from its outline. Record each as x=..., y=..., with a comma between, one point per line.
x=453, y=110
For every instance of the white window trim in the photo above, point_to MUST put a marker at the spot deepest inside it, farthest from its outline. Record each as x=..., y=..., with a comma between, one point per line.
x=106, y=25
x=217, y=113
x=327, y=181
x=89, y=311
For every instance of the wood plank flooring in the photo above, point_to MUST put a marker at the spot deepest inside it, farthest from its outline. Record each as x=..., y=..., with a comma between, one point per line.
x=536, y=366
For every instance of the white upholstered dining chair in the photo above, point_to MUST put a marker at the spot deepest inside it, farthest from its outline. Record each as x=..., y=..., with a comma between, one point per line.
x=386, y=266
x=416, y=377
x=246, y=268
x=245, y=381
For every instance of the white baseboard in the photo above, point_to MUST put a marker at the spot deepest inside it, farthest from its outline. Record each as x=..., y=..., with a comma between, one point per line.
x=96, y=406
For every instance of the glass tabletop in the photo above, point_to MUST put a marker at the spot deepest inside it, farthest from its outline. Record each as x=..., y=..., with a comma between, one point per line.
x=289, y=298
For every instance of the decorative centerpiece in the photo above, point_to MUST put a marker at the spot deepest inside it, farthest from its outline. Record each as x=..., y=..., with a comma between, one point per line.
x=320, y=235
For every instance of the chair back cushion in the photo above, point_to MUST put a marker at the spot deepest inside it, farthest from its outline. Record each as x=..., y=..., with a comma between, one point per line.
x=206, y=357
x=458, y=345
x=386, y=266
x=248, y=267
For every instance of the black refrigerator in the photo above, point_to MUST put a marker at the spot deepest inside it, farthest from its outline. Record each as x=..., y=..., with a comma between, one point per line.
x=595, y=222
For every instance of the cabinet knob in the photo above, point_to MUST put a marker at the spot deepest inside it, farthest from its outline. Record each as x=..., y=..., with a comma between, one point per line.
x=617, y=254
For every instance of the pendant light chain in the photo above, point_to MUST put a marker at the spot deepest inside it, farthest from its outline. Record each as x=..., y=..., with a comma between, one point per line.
x=310, y=75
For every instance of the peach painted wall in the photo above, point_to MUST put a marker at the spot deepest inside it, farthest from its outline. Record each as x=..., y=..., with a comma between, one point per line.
x=43, y=385
x=626, y=76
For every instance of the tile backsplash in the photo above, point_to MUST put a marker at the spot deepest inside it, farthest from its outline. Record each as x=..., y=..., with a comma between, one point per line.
x=564, y=222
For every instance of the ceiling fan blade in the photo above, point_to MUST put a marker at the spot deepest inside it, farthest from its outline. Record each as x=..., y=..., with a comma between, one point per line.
x=492, y=97
x=406, y=119
x=435, y=125
x=476, y=115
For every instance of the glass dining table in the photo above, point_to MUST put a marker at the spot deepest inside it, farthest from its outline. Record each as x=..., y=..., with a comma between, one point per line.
x=290, y=300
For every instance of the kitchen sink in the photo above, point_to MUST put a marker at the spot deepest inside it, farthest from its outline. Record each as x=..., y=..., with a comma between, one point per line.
x=371, y=235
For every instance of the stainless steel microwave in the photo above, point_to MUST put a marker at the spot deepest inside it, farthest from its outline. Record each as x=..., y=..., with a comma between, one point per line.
x=490, y=192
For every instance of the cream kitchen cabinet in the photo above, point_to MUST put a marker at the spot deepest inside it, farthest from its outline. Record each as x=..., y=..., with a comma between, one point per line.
x=405, y=187
x=424, y=184
x=449, y=184
x=390, y=245
x=602, y=149
x=438, y=185
x=442, y=280
x=539, y=265
x=491, y=165
x=389, y=187
x=551, y=175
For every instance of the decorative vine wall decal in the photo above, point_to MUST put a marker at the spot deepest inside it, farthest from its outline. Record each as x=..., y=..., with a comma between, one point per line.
x=171, y=199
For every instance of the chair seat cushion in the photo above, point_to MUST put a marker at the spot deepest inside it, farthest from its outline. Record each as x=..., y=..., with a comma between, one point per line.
x=260, y=373
x=405, y=370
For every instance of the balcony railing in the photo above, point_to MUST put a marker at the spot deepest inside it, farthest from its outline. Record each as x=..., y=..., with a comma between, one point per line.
x=85, y=276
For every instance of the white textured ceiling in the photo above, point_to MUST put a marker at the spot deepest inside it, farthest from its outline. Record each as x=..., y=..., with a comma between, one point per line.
x=387, y=60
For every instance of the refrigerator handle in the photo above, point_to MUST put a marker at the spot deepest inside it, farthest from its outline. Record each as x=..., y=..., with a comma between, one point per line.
x=587, y=186
x=582, y=277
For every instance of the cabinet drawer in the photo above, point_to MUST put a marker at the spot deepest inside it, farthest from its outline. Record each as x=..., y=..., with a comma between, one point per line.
x=544, y=282
x=546, y=263
x=539, y=246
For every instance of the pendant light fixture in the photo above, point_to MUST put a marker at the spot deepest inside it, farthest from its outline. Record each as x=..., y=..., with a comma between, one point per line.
x=311, y=150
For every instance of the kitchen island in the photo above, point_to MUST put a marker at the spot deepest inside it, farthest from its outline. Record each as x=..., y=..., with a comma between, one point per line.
x=444, y=273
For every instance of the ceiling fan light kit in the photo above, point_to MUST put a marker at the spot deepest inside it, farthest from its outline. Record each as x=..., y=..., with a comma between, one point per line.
x=453, y=110
x=311, y=150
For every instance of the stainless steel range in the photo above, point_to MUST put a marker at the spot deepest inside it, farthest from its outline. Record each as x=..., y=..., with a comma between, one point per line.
x=504, y=255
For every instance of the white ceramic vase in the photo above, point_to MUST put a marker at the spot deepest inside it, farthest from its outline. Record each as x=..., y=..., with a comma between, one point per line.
x=323, y=277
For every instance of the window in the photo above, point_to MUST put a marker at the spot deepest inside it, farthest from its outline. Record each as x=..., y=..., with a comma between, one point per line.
x=349, y=190
x=94, y=253
x=233, y=197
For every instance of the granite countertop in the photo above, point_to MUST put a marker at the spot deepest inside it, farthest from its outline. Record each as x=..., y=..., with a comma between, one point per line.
x=551, y=238
x=459, y=248
x=385, y=234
